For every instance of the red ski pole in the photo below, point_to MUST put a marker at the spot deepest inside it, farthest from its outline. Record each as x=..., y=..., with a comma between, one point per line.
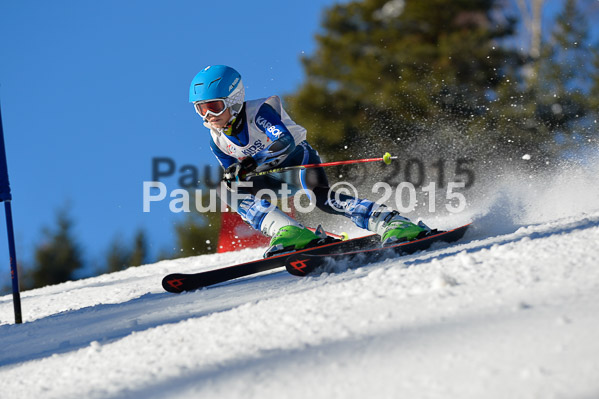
x=385, y=158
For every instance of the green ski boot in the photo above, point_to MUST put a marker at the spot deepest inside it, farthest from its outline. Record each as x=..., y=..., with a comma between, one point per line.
x=399, y=230
x=290, y=238
x=394, y=228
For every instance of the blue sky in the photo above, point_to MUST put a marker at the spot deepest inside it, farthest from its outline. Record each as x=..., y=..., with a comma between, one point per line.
x=92, y=91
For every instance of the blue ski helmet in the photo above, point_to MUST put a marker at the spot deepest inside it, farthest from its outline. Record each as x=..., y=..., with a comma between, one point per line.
x=218, y=82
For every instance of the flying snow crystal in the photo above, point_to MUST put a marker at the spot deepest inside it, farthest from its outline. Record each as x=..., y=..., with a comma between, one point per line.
x=526, y=157
x=556, y=108
x=391, y=9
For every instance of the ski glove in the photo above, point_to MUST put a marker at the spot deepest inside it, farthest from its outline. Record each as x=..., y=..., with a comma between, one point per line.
x=239, y=170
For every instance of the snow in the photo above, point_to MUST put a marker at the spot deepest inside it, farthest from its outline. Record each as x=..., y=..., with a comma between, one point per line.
x=509, y=311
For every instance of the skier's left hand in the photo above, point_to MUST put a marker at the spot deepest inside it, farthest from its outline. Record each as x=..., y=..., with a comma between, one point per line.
x=239, y=170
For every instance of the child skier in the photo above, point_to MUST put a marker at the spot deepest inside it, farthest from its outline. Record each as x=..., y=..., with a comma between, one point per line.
x=258, y=135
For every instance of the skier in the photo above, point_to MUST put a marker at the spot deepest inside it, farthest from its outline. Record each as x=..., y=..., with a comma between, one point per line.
x=257, y=135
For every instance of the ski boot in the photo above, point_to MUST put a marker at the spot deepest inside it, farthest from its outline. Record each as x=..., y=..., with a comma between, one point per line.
x=295, y=237
x=292, y=238
x=394, y=228
x=288, y=234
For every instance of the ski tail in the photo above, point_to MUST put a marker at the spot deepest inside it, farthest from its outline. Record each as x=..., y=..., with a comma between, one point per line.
x=174, y=283
x=179, y=282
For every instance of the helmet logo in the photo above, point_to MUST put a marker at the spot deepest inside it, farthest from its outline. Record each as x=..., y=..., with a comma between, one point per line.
x=233, y=84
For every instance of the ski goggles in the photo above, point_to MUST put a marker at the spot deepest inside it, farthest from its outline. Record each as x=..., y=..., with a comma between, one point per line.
x=214, y=107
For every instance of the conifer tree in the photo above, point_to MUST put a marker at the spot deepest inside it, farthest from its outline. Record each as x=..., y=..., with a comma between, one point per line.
x=197, y=234
x=140, y=249
x=594, y=93
x=563, y=101
x=389, y=69
x=118, y=257
x=566, y=72
x=121, y=256
x=58, y=257
x=402, y=74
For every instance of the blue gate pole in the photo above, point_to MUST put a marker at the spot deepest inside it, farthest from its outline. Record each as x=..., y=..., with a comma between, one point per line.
x=16, y=296
x=6, y=197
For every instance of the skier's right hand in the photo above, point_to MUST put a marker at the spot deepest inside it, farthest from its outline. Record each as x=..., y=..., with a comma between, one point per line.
x=239, y=170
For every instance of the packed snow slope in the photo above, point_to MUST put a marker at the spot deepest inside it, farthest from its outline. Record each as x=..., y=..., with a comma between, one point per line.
x=511, y=311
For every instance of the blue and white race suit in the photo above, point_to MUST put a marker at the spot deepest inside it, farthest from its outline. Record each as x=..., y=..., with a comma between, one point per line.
x=264, y=131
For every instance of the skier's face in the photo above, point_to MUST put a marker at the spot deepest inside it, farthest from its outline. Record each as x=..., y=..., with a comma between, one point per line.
x=220, y=121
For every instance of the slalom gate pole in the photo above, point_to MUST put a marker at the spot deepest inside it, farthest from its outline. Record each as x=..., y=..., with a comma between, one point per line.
x=385, y=158
x=16, y=296
x=6, y=197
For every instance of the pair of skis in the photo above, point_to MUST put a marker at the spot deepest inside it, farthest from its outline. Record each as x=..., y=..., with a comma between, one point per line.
x=362, y=250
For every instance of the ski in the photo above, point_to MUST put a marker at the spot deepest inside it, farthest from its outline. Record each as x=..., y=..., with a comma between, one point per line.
x=179, y=282
x=302, y=264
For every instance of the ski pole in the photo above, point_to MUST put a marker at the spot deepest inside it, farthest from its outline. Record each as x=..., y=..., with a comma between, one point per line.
x=385, y=158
